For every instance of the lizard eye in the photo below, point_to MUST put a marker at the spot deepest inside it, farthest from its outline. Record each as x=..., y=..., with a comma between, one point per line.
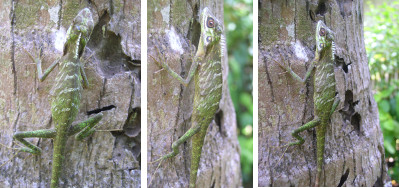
x=208, y=38
x=210, y=22
x=321, y=45
x=322, y=32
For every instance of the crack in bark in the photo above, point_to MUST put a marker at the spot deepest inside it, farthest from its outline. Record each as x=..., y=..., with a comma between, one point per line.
x=343, y=154
x=123, y=9
x=59, y=16
x=309, y=171
x=102, y=92
x=354, y=160
x=111, y=7
x=268, y=161
x=12, y=16
x=269, y=81
x=170, y=12
x=295, y=23
x=83, y=166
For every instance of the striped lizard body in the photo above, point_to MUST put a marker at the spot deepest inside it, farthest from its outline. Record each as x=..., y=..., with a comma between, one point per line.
x=64, y=108
x=208, y=92
x=324, y=99
x=207, y=72
x=66, y=97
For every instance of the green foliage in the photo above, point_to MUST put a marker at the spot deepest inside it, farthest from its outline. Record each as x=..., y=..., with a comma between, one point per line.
x=246, y=159
x=382, y=45
x=239, y=27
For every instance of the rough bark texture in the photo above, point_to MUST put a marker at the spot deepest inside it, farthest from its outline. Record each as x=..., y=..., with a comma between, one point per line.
x=170, y=104
x=354, y=154
x=109, y=158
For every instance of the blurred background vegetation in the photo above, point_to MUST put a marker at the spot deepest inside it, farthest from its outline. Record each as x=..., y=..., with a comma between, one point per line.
x=238, y=26
x=382, y=46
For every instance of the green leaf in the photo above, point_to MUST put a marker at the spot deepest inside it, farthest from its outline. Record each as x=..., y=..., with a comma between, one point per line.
x=384, y=106
x=388, y=125
x=397, y=105
x=389, y=147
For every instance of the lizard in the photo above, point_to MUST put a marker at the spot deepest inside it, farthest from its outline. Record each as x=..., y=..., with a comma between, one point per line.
x=324, y=96
x=69, y=83
x=206, y=70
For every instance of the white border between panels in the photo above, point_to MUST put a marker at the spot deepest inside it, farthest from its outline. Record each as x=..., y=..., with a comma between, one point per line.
x=143, y=93
x=255, y=93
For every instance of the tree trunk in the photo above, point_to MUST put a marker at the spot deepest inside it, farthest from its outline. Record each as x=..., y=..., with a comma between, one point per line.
x=108, y=158
x=172, y=27
x=354, y=151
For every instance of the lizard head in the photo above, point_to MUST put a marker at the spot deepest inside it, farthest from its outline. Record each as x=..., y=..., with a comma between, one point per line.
x=79, y=32
x=211, y=30
x=324, y=37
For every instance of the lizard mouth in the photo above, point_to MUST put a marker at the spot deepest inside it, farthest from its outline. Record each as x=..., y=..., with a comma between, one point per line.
x=219, y=29
x=330, y=36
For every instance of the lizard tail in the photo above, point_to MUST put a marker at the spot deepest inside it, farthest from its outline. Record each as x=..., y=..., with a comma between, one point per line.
x=321, y=137
x=197, y=143
x=58, y=157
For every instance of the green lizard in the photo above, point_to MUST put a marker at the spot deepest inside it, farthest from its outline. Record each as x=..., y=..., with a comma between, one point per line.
x=207, y=72
x=324, y=98
x=67, y=94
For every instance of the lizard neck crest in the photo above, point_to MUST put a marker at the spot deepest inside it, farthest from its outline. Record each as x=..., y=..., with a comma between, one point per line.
x=211, y=31
x=79, y=33
x=324, y=39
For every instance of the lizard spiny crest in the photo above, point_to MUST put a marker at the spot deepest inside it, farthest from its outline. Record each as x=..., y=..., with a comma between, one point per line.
x=222, y=45
x=324, y=39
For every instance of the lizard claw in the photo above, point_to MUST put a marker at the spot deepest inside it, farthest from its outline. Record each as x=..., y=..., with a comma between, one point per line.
x=152, y=162
x=34, y=59
x=287, y=146
x=158, y=71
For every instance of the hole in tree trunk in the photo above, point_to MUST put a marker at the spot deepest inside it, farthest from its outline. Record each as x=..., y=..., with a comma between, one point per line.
x=98, y=110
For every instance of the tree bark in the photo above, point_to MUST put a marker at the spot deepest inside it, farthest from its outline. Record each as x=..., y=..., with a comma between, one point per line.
x=172, y=27
x=354, y=151
x=108, y=158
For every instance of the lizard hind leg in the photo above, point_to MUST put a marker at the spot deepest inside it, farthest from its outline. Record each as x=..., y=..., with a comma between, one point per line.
x=175, y=146
x=307, y=126
x=295, y=133
x=85, y=128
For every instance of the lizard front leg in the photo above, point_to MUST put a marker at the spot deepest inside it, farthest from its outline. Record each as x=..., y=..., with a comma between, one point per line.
x=38, y=62
x=85, y=128
x=84, y=77
x=294, y=75
x=191, y=73
x=337, y=100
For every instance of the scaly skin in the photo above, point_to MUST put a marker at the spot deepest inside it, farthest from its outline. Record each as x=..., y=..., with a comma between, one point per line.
x=324, y=98
x=67, y=94
x=207, y=72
